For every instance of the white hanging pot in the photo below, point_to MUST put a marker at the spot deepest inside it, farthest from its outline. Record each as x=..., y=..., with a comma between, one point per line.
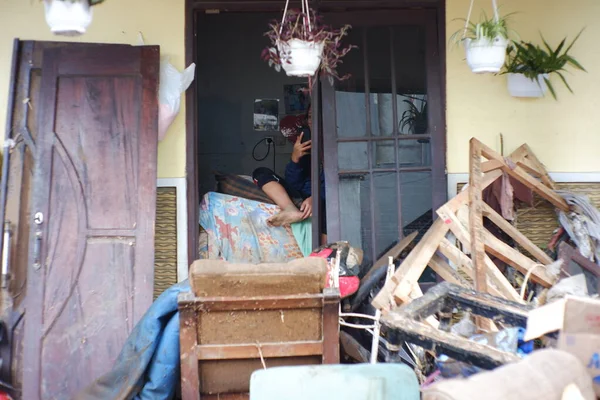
x=485, y=55
x=299, y=57
x=521, y=86
x=68, y=17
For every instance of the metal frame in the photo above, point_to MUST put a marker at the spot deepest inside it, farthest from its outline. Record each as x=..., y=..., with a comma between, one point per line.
x=436, y=129
x=436, y=73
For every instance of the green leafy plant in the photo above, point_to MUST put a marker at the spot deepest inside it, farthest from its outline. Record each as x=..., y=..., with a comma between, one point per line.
x=532, y=61
x=415, y=118
x=486, y=28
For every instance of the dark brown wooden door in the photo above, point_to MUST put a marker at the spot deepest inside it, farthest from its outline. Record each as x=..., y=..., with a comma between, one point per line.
x=383, y=130
x=90, y=273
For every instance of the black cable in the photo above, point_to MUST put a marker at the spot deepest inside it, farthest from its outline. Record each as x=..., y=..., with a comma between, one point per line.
x=268, y=149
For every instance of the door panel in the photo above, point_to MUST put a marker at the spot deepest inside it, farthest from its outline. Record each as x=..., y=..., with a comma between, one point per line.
x=383, y=128
x=95, y=185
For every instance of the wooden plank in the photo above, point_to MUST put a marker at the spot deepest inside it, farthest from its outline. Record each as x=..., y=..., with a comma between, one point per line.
x=527, y=159
x=411, y=269
x=269, y=350
x=497, y=285
x=517, y=236
x=415, y=263
x=446, y=272
x=331, y=326
x=522, y=176
x=476, y=217
x=255, y=303
x=188, y=341
x=490, y=165
x=517, y=260
x=394, y=252
x=462, y=197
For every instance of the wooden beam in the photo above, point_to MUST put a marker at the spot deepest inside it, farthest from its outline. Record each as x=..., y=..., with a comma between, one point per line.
x=446, y=272
x=527, y=159
x=463, y=197
x=498, y=284
x=411, y=269
x=517, y=260
x=476, y=217
x=517, y=236
x=488, y=166
x=524, y=177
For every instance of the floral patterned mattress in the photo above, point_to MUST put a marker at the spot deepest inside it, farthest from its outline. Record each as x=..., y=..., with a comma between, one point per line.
x=237, y=231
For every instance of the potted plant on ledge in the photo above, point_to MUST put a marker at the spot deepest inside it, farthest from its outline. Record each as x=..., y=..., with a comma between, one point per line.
x=302, y=46
x=485, y=41
x=69, y=17
x=528, y=67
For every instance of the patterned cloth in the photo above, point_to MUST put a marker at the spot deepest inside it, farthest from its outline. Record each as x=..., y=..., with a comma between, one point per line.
x=238, y=232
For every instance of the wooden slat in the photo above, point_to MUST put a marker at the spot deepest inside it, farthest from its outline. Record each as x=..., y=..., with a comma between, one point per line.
x=517, y=236
x=411, y=269
x=490, y=165
x=446, y=272
x=517, y=260
x=498, y=286
x=269, y=350
x=462, y=197
x=188, y=341
x=529, y=161
x=524, y=177
x=476, y=217
x=255, y=303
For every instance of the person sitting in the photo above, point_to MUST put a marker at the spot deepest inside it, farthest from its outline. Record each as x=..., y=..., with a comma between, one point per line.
x=297, y=184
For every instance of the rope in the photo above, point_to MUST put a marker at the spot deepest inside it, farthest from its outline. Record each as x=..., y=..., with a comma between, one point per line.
x=305, y=11
x=496, y=15
x=526, y=279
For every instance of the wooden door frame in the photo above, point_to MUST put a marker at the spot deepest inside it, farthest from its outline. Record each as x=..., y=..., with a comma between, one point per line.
x=193, y=7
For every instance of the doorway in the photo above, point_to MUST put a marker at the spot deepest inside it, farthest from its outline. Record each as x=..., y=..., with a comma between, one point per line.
x=395, y=163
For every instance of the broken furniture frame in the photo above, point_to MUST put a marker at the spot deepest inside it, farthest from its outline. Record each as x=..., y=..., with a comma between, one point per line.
x=194, y=352
x=404, y=324
x=570, y=255
x=434, y=248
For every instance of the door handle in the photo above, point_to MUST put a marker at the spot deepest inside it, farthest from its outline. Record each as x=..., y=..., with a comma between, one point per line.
x=37, y=246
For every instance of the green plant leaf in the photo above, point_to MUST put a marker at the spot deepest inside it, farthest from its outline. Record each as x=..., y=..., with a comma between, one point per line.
x=562, y=77
x=550, y=87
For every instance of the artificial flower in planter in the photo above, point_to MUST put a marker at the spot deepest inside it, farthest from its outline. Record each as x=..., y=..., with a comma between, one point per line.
x=485, y=42
x=302, y=46
x=529, y=67
x=69, y=17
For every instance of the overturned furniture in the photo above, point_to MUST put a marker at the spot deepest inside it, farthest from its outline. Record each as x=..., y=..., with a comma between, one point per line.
x=240, y=318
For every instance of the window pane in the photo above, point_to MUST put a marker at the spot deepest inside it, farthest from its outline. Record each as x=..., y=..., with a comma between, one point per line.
x=355, y=211
x=416, y=201
x=383, y=154
x=386, y=211
x=353, y=156
x=414, y=153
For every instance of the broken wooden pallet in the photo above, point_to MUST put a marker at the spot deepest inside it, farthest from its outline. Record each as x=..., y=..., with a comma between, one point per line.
x=474, y=238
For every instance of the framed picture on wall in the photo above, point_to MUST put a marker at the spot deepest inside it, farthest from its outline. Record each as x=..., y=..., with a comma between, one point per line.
x=296, y=99
x=266, y=114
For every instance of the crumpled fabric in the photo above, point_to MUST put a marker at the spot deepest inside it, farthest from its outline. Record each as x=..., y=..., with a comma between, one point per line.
x=148, y=366
x=582, y=223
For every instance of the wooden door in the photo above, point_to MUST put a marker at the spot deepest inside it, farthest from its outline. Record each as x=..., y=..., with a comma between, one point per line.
x=90, y=273
x=385, y=163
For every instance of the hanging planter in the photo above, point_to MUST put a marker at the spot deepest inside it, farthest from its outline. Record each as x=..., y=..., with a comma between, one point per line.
x=485, y=42
x=302, y=47
x=300, y=57
x=529, y=67
x=520, y=85
x=69, y=17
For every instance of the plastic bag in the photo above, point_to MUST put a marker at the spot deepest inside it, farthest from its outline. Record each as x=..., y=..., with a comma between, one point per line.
x=172, y=84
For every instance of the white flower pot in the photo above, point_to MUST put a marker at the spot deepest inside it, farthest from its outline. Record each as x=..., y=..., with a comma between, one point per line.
x=521, y=86
x=68, y=17
x=485, y=55
x=300, y=58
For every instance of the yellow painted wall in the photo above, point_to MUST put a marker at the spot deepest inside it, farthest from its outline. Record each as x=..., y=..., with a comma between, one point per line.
x=565, y=135
x=115, y=21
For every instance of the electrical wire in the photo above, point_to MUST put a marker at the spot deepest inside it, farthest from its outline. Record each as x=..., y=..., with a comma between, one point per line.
x=269, y=141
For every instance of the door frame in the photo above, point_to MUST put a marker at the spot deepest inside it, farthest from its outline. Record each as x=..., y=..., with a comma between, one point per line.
x=194, y=7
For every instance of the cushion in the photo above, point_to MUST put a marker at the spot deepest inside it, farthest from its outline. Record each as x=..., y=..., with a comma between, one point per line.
x=239, y=186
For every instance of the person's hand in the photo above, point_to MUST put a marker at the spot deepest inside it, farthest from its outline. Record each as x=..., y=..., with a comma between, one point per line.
x=306, y=208
x=300, y=149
